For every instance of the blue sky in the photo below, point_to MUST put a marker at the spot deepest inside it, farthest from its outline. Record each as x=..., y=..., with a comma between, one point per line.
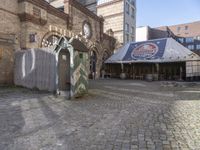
x=157, y=13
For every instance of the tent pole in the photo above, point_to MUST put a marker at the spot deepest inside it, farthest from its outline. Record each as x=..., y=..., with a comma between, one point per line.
x=133, y=71
x=157, y=70
x=181, y=70
x=122, y=75
x=122, y=68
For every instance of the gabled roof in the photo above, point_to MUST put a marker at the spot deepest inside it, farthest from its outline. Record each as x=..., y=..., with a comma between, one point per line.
x=77, y=45
x=153, y=51
x=183, y=30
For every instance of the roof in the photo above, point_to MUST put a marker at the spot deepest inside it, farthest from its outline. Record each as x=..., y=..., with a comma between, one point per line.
x=184, y=30
x=153, y=51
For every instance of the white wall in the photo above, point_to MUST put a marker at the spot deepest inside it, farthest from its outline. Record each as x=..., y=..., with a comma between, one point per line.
x=142, y=33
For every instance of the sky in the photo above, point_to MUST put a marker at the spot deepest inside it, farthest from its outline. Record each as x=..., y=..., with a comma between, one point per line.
x=155, y=13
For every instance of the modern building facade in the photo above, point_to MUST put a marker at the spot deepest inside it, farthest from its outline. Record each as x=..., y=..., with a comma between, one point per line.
x=120, y=16
x=187, y=34
x=27, y=24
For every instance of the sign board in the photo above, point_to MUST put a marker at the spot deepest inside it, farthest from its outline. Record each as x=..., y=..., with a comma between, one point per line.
x=146, y=50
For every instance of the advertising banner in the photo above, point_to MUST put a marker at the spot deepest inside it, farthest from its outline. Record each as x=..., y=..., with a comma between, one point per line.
x=149, y=50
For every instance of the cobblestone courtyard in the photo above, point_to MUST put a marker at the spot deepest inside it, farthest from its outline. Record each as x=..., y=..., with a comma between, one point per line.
x=116, y=115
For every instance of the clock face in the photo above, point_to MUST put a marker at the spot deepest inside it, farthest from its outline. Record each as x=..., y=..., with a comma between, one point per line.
x=87, y=30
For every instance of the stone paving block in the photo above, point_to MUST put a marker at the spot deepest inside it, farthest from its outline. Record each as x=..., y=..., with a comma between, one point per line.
x=118, y=115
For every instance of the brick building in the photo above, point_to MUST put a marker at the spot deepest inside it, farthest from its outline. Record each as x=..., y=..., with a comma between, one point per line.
x=187, y=34
x=119, y=16
x=29, y=24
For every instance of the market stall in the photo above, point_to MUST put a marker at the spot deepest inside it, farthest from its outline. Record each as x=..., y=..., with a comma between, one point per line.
x=160, y=59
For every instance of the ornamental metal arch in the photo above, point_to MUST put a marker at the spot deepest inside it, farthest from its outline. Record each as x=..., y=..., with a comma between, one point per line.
x=64, y=44
x=78, y=72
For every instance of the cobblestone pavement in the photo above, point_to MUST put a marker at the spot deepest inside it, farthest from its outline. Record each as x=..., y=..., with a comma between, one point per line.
x=116, y=115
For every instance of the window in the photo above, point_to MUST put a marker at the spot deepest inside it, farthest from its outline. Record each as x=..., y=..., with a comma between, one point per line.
x=36, y=12
x=61, y=8
x=133, y=2
x=132, y=12
x=132, y=30
x=127, y=8
x=197, y=38
x=189, y=40
x=127, y=37
x=127, y=27
x=178, y=29
x=186, y=27
x=81, y=55
x=132, y=38
x=32, y=37
x=198, y=46
x=191, y=47
x=181, y=40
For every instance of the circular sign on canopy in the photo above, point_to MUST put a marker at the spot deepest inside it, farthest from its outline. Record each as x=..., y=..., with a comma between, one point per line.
x=145, y=51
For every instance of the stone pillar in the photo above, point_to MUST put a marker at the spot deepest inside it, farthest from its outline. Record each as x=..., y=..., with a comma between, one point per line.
x=68, y=10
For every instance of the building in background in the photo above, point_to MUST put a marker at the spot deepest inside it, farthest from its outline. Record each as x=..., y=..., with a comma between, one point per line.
x=42, y=26
x=120, y=16
x=89, y=4
x=187, y=34
x=142, y=33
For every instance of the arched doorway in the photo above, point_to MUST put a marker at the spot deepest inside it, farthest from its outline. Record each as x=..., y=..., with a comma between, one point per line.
x=93, y=61
x=64, y=70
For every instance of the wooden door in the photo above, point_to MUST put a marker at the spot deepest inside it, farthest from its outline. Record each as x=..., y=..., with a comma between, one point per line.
x=64, y=70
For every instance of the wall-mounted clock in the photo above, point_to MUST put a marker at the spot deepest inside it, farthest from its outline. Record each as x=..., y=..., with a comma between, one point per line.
x=87, y=30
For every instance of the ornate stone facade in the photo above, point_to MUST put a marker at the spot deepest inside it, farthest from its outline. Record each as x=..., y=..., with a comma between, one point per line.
x=29, y=24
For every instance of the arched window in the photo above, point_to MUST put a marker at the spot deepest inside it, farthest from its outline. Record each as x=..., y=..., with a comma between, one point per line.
x=50, y=41
x=93, y=61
